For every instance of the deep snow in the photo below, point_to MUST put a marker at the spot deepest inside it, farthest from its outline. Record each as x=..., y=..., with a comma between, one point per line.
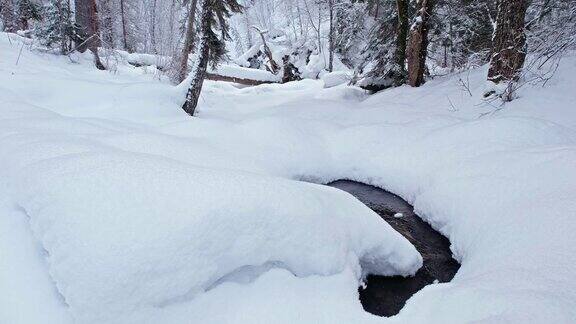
x=116, y=206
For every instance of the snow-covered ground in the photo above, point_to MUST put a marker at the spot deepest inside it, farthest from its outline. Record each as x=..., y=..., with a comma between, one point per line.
x=115, y=206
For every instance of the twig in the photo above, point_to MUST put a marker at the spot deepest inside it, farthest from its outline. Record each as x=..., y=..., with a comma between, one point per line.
x=84, y=42
x=20, y=53
x=451, y=104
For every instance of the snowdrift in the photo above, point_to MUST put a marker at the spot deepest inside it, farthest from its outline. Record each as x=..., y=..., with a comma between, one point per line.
x=149, y=216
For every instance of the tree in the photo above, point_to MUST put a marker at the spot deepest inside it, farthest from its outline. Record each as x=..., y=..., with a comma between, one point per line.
x=126, y=47
x=214, y=16
x=106, y=22
x=349, y=28
x=27, y=10
x=88, y=31
x=389, y=47
x=509, y=41
x=418, y=43
x=188, y=42
x=9, y=21
x=56, y=28
x=463, y=31
x=273, y=66
x=331, y=36
x=401, y=37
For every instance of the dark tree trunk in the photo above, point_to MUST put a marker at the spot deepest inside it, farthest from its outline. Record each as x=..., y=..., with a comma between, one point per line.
x=331, y=37
x=86, y=18
x=418, y=43
x=509, y=41
x=197, y=81
x=291, y=72
x=124, y=32
x=23, y=23
x=153, y=28
x=201, y=64
x=188, y=42
x=401, y=35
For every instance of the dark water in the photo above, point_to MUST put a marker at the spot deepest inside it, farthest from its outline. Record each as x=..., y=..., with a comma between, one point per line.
x=385, y=296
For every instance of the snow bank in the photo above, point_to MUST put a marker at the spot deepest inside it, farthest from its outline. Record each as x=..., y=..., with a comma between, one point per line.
x=158, y=232
x=337, y=78
x=245, y=73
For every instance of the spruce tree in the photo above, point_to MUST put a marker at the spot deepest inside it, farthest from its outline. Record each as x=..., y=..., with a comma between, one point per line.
x=56, y=29
x=8, y=16
x=215, y=30
x=27, y=10
x=389, y=47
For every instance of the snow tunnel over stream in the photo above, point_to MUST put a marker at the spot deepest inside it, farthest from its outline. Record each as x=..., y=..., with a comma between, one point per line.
x=386, y=296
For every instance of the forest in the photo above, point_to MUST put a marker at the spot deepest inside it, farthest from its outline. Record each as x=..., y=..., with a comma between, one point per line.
x=287, y=161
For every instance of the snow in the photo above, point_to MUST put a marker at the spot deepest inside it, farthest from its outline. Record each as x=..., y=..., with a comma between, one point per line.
x=159, y=232
x=144, y=59
x=117, y=207
x=337, y=78
x=242, y=60
x=245, y=73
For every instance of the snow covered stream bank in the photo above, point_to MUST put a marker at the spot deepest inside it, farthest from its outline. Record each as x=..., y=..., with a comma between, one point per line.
x=385, y=296
x=116, y=207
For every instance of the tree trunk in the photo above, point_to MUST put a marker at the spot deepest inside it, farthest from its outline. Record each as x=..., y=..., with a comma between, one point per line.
x=86, y=18
x=274, y=67
x=65, y=46
x=201, y=64
x=331, y=37
x=418, y=43
x=124, y=33
x=401, y=35
x=188, y=42
x=153, y=28
x=509, y=41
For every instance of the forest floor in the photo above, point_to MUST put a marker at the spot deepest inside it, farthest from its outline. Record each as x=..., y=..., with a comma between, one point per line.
x=117, y=207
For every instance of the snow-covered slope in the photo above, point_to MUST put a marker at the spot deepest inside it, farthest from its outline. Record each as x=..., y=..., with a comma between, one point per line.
x=147, y=215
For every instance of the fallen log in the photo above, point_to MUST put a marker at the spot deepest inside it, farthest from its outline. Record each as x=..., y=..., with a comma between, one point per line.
x=249, y=82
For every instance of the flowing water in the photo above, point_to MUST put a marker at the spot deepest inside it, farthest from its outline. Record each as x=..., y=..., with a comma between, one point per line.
x=385, y=296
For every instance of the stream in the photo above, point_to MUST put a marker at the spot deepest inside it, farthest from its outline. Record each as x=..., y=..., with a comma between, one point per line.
x=385, y=296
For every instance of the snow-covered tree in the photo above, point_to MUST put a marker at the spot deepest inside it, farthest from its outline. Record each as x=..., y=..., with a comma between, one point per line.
x=8, y=16
x=27, y=10
x=390, y=47
x=461, y=33
x=190, y=36
x=56, y=29
x=215, y=30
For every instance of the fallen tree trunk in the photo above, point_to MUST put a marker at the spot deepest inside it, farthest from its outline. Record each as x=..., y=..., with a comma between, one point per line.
x=249, y=82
